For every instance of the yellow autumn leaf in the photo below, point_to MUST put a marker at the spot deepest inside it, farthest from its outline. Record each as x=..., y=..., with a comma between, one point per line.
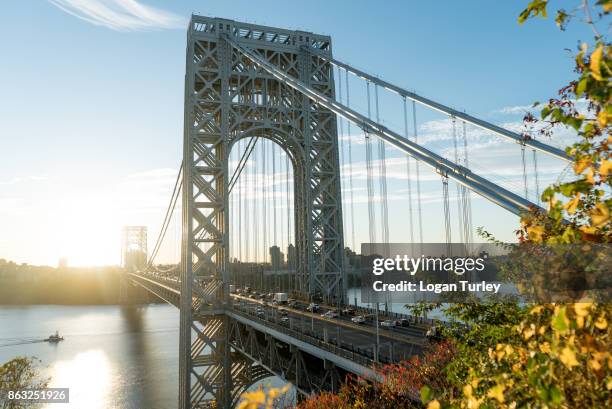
x=497, y=392
x=535, y=233
x=603, y=118
x=467, y=391
x=536, y=310
x=600, y=215
x=601, y=322
x=528, y=333
x=595, y=64
x=605, y=167
x=590, y=176
x=582, y=308
x=568, y=357
x=572, y=204
x=588, y=229
x=545, y=347
x=251, y=400
x=434, y=404
x=593, y=363
x=581, y=165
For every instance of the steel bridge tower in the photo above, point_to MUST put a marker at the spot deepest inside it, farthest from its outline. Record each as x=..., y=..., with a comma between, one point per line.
x=228, y=97
x=134, y=247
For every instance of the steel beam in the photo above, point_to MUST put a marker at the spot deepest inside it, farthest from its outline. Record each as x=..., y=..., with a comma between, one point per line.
x=445, y=167
x=532, y=143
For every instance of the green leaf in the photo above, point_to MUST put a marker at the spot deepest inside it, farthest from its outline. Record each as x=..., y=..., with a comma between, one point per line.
x=582, y=86
x=426, y=394
x=560, y=321
x=556, y=397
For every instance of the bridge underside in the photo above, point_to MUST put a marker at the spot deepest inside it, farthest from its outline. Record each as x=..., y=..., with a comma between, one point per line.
x=259, y=349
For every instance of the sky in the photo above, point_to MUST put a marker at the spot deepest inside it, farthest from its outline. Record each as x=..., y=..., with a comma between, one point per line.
x=91, y=112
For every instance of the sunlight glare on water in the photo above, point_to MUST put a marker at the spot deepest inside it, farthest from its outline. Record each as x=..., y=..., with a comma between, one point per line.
x=89, y=376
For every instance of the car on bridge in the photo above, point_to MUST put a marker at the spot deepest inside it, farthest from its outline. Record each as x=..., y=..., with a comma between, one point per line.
x=349, y=311
x=312, y=307
x=403, y=322
x=330, y=314
x=359, y=319
x=388, y=324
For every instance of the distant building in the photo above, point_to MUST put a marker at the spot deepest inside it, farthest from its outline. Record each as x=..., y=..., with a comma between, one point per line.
x=62, y=264
x=291, y=257
x=276, y=258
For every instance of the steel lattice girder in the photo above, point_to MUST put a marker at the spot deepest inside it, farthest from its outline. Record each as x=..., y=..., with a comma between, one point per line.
x=227, y=98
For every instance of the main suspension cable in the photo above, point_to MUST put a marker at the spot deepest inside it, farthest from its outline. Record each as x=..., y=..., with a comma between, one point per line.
x=168, y=215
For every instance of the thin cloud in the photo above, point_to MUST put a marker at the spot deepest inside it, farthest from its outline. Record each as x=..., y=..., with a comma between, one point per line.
x=120, y=15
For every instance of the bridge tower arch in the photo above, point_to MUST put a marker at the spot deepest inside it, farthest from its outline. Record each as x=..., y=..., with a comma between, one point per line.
x=228, y=97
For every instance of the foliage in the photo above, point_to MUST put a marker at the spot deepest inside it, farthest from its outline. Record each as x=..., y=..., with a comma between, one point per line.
x=19, y=373
x=578, y=210
x=400, y=386
x=421, y=308
x=555, y=356
x=263, y=399
x=550, y=355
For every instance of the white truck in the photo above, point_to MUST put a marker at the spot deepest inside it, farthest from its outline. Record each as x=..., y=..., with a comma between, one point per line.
x=281, y=298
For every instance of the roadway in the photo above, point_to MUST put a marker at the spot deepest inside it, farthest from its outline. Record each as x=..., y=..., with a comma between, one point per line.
x=394, y=343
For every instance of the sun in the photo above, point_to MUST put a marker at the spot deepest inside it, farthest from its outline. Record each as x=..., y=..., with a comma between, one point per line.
x=87, y=232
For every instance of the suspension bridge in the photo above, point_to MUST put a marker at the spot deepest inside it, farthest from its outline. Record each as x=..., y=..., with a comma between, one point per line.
x=273, y=123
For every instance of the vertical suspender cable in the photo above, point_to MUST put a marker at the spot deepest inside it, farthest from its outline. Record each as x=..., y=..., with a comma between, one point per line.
x=410, y=211
x=240, y=209
x=382, y=165
x=384, y=210
x=459, y=197
x=371, y=215
x=418, y=176
x=288, y=218
x=524, y=170
x=247, y=223
x=537, y=176
x=447, y=222
x=350, y=160
x=274, y=225
x=341, y=150
x=265, y=201
x=468, y=203
x=281, y=215
x=256, y=205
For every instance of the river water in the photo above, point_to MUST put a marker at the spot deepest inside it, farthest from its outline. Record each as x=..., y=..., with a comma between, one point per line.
x=112, y=356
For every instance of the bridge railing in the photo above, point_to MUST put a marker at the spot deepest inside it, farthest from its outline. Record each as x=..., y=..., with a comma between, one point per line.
x=356, y=354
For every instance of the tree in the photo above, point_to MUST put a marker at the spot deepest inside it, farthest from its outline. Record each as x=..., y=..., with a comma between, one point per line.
x=552, y=354
x=19, y=373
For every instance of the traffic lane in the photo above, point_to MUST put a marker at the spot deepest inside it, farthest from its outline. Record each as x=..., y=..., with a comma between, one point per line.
x=348, y=337
x=371, y=329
